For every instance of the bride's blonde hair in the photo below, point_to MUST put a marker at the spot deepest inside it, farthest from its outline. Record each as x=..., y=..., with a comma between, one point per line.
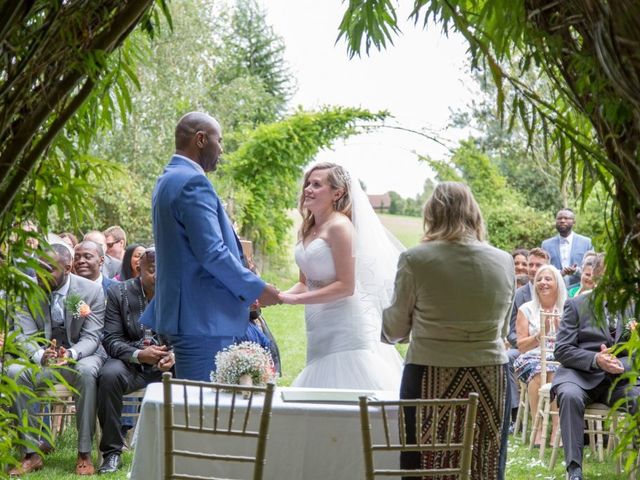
x=337, y=177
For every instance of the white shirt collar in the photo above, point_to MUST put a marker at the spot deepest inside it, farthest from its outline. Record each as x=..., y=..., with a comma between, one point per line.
x=99, y=279
x=197, y=165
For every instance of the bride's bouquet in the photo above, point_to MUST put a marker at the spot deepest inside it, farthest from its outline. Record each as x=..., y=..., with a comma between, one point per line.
x=246, y=363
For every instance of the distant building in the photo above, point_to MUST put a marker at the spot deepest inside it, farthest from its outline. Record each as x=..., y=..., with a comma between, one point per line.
x=380, y=203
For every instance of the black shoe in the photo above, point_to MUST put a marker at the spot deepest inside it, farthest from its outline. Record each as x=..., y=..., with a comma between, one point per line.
x=110, y=464
x=574, y=472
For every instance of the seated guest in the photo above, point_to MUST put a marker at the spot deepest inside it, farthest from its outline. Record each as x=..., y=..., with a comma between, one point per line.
x=133, y=364
x=586, y=276
x=116, y=242
x=520, y=261
x=537, y=258
x=130, y=262
x=111, y=266
x=588, y=370
x=87, y=262
x=549, y=296
x=71, y=318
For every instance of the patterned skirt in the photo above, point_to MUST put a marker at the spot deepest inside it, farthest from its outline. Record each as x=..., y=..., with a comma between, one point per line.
x=489, y=447
x=528, y=365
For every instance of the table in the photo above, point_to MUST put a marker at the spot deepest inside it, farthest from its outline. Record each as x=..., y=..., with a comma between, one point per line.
x=307, y=441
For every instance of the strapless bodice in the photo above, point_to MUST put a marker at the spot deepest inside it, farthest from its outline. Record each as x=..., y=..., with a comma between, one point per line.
x=316, y=262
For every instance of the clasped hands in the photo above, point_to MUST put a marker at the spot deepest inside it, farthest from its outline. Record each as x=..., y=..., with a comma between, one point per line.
x=54, y=355
x=608, y=362
x=158, y=355
x=270, y=296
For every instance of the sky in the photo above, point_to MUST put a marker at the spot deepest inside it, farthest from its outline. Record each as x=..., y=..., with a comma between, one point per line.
x=419, y=80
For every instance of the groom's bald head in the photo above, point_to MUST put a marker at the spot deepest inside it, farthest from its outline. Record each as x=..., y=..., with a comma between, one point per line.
x=190, y=124
x=199, y=137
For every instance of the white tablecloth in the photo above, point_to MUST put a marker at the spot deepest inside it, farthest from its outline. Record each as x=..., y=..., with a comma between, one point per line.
x=307, y=441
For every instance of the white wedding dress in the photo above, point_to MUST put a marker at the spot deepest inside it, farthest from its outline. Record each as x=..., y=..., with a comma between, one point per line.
x=343, y=337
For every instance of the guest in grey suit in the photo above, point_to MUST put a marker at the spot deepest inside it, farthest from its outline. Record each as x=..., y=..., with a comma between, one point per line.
x=567, y=249
x=587, y=374
x=76, y=330
x=111, y=265
x=88, y=259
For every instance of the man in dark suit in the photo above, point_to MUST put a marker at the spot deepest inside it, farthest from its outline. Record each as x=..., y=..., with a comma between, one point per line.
x=587, y=373
x=71, y=319
x=567, y=249
x=203, y=290
x=88, y=259
x=133, y=365
x=536, y=259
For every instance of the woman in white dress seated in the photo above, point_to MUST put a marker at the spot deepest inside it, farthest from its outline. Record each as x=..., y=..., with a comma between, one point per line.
x=347, y=264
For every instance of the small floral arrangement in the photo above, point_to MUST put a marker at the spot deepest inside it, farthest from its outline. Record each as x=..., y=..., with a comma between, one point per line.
x=78, y=306
x=630, y=326
x=246, y=359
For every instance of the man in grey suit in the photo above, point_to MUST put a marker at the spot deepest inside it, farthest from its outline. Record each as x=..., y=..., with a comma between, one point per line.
x=111, y=266
x=71, y=320
x=567, y=248
x=536, y=259
x=587, y=373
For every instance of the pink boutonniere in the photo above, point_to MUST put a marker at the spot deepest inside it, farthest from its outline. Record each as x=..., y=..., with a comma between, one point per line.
x=78, y=306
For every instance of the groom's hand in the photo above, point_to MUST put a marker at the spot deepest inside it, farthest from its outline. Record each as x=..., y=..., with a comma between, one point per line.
x=269, y=296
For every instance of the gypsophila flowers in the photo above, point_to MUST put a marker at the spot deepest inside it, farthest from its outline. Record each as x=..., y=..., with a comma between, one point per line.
x=246, y=358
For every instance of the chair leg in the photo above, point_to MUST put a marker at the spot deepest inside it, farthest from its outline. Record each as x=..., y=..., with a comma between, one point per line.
x=537, y=417
x=554, y=451
x=546, y=404
x=600, y=440
x=592, y=437
x=521, y=399
x=525, y=419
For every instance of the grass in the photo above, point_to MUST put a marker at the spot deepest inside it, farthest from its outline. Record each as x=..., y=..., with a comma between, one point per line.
x=287, y=324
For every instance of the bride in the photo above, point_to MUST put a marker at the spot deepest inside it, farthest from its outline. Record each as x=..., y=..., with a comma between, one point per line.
x=347, y=264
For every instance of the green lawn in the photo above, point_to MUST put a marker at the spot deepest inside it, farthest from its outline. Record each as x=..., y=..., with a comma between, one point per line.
x=287, y=325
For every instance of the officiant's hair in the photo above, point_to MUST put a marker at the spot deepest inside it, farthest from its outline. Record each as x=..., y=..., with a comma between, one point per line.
x=452, y=213
x=337, y=177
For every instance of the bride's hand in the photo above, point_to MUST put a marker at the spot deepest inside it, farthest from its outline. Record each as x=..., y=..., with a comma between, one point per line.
x=288, y=298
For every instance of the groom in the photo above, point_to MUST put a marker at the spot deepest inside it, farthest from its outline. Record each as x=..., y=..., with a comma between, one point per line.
x=203, y=290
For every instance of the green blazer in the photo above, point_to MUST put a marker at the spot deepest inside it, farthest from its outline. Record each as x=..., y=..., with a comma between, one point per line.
x=453, y=299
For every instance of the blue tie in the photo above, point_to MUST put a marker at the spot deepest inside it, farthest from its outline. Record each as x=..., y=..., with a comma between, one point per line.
x=57, y=312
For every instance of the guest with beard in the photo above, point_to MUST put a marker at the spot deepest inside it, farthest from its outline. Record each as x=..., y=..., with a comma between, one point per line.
x=133, y=364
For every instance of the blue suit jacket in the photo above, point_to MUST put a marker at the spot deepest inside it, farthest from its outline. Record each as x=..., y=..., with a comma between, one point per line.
x=106, y=283
x=579, y=247
x=202, y=287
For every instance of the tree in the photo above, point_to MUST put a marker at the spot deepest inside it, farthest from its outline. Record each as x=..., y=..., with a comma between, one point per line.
x=510, y=222
x=250, y=49
x=54, y=54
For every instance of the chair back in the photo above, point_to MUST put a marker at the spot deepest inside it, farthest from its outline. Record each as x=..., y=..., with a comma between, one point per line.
x=547, y=338
x=206, y=419
x=452, y=429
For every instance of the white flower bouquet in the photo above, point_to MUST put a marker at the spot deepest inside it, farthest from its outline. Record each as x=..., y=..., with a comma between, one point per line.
x=246, y=363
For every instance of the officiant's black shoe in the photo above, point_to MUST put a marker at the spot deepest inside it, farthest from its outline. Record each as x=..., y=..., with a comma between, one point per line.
x=574, y=472
x=110, y=464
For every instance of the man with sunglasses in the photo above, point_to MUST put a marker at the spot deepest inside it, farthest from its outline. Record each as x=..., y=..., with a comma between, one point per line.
x=203, y=289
